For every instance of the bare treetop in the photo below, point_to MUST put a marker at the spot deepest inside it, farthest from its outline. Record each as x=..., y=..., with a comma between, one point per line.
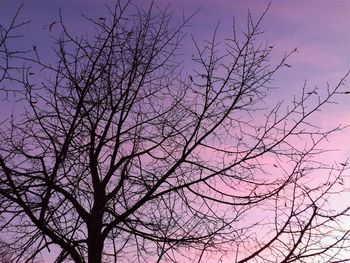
x=120, y=156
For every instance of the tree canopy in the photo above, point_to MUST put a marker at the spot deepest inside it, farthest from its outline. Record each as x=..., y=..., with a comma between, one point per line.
x=118, y=155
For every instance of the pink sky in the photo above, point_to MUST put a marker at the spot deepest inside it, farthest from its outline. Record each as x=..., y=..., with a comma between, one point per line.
x=319, y=29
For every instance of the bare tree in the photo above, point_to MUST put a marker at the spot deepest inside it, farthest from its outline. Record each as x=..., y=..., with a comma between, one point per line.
x=8, y=35
x=118, y=156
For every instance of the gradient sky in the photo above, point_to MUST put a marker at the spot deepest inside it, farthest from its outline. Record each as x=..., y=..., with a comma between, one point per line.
x=319, y=29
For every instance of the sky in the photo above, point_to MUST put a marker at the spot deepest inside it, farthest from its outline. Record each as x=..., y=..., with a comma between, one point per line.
x=319, y=29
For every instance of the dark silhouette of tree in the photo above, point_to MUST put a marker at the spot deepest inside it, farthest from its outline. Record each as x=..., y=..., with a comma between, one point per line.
x=117, y=156
x=8, y=35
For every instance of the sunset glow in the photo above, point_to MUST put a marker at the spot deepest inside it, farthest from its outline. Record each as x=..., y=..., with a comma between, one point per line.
x=226, y=151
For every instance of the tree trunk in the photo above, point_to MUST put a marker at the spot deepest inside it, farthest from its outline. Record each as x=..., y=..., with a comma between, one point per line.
x=95, y=240
x=95, y=243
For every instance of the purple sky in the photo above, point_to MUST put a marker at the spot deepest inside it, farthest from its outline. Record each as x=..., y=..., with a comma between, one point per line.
x=320, y=30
